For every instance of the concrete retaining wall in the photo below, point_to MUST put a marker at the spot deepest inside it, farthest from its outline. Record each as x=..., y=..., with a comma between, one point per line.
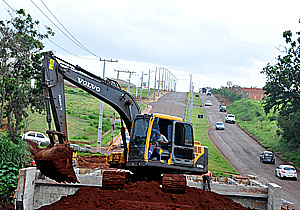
x=33, y=193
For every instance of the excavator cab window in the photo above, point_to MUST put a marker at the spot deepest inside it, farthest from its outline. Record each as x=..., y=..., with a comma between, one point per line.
x=183, y=141
x=138, y=138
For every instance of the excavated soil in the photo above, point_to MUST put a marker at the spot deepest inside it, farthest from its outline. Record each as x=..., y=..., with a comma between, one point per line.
x=140, y=195
x=143, y=195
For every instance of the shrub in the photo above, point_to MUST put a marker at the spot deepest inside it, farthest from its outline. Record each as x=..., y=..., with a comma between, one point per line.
x=13, y=156
x=8, y=181
x=16, y=153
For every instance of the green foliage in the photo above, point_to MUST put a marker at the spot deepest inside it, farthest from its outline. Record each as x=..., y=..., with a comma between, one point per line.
x=13, y=155
x=20, y=62
x=226, y=93
x=15, y=152
x=282, y=88
x=8, y=181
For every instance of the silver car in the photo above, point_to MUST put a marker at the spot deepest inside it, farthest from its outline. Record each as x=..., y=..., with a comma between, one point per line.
x=37, y=137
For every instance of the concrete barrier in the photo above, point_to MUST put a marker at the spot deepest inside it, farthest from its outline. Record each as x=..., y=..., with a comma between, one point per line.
x=25, y=191
x=247, y=191
x=33, y=193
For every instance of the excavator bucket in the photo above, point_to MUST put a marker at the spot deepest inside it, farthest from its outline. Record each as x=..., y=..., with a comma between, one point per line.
x=55, y=162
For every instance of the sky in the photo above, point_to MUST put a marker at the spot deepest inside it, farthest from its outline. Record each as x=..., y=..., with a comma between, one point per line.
x=213, y=41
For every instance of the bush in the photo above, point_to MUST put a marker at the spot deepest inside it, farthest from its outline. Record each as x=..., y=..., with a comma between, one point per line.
x=16, y=153
x=8, y=181
x=13, y=156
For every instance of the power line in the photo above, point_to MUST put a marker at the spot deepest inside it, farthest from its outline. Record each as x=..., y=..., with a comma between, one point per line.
x=9, y=6
x=62, y=31
x=68, y=31
x=48, y=38
x=68, y=51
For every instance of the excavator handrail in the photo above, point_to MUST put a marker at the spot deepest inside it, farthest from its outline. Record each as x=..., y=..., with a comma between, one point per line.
x=116, y=138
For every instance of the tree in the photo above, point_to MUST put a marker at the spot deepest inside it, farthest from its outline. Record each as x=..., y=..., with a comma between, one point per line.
x=282, y=89
x=20, y=62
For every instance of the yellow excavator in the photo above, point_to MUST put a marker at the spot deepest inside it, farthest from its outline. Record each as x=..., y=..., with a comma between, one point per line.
x=144, y=157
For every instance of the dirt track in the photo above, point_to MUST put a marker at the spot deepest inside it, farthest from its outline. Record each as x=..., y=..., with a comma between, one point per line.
x=243, y=152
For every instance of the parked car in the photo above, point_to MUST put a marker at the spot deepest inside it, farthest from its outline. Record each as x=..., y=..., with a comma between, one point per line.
x=37, y=137
x=230, y=118
x=222, y=108
x=207, y=103
x=286, y=171
x=267, y=157
x=220, y=126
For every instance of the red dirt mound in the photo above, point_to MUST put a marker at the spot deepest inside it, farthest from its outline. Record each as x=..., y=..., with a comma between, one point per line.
x=143, y=195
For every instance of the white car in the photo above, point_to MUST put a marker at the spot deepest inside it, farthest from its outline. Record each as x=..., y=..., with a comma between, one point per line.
x=37, y=137
x=220, y=126
x=230, y=118
x=286, y=171
x=207, y=103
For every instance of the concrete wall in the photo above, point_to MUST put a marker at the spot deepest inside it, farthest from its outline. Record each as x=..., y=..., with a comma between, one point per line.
x=250, y=194
x=274, y=192
x=26, y=187
x=33, y=193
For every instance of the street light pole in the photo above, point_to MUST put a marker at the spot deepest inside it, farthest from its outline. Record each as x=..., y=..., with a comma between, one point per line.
x=101, y=109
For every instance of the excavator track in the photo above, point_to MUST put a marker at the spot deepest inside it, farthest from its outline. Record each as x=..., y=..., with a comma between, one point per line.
x=113, y=179
x=174, y=183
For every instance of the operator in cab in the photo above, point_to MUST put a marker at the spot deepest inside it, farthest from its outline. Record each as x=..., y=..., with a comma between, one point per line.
x=156, y=143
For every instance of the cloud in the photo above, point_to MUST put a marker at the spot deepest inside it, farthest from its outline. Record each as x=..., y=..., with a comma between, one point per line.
x=216, y=41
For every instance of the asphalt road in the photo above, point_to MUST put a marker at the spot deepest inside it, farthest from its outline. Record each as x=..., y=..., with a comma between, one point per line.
x=171, y=103
x=243, y=152
x=236, y=146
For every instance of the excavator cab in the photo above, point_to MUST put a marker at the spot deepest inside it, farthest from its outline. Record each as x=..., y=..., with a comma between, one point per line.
x=179, y=154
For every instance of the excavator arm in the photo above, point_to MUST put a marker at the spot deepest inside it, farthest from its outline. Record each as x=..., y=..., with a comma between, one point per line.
x=109, y=91
x=55, y=161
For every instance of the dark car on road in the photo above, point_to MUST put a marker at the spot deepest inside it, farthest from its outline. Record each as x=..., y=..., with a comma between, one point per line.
x=222, y=108
x=267, y=157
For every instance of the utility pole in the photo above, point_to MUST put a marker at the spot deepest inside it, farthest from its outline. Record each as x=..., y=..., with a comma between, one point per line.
x=141, y=89
x=154, y=84
x=130, y=72
x=148, y=88
x=158, y=81
x=191, y=99
x=101, y=109
x=128, y=88
x=163, y=81
x=191, y=106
